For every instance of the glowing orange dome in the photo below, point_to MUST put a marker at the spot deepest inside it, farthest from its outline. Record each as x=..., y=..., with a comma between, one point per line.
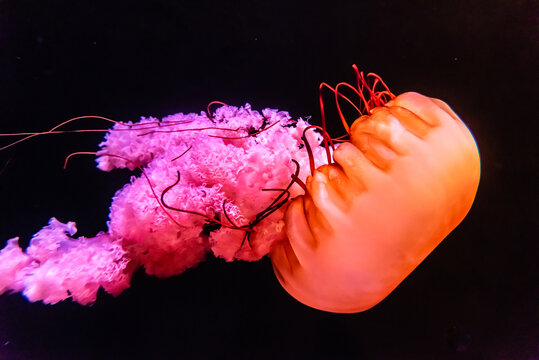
x=407, y=177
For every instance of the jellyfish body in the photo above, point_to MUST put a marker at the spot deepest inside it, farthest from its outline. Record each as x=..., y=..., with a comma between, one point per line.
x=373, y=210
x=405, y=180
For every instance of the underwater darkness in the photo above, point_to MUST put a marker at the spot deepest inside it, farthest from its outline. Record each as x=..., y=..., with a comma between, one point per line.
x=475, y=297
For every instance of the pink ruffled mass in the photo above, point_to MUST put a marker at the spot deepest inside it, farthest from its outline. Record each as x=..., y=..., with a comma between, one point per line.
x=230, y=168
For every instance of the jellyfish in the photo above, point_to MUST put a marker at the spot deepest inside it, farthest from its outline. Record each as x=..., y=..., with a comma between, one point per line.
x=344, y=220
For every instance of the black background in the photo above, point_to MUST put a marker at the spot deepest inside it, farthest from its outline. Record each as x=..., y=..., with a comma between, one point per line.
x=474, y=297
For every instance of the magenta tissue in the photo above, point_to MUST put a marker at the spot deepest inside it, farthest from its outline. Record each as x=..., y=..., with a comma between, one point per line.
x=223, y=164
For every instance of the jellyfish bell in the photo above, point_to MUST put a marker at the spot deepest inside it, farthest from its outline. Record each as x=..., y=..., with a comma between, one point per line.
x=407, y=177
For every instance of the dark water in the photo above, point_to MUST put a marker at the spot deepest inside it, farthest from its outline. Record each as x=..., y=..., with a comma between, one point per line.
x=474, y=297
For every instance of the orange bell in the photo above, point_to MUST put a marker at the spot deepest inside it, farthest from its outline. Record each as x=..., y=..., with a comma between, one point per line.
x=407, y=177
